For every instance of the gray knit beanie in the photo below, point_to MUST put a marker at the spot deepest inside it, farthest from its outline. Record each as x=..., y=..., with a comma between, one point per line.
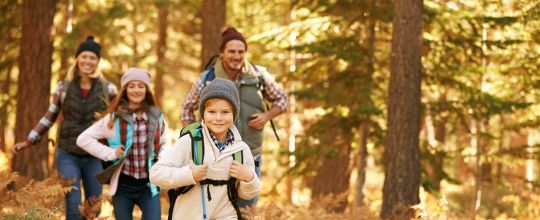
x=222, y=89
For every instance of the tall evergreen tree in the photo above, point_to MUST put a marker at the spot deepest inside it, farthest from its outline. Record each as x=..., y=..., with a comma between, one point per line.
x=33, y=85
x=213, y=21
x=402, y=152
x=163, y=23
x=9, y=23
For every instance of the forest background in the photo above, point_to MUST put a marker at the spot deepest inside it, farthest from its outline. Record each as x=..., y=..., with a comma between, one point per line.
x=475, y=137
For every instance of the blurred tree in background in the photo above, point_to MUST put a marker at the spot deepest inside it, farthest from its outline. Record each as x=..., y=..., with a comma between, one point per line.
x=33, y=83
x=402, y=152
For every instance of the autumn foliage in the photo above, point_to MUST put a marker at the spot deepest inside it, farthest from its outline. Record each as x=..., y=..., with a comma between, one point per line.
x=29, y=199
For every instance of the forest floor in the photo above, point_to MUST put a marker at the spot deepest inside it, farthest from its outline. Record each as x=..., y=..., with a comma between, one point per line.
x=44, y=200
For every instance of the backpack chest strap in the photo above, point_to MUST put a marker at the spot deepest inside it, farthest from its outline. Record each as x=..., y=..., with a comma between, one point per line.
x=229, y=183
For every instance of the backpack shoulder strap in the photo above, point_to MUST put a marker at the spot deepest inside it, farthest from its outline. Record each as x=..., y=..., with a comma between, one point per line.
x=194, y=131
x=197, y=145
x=259, y=70
x=211, y=62
x=66, y=84
x=104, y=88
x=190, y=129
x=122, y=129
x=160, y=122
x=208, y=75
x=259, y=73
x=239, y=156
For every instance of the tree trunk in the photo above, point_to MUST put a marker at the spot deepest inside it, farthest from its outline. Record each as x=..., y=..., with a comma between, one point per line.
x=362, y=164
x=290, y=144
x=481, y=127
x=504, y=141
x=3, y=138
x=402, y=153
x=3, y=109
x=65, y=51
x=433, y=163
x=476, y=143
x=440, y=125
x=290, y=115
x=461, y=169
x=135, y=20
x=213, y=21
x=161, y=48
x=364, y=127
x=333, y=174
x=33, y=84
x=531, y=169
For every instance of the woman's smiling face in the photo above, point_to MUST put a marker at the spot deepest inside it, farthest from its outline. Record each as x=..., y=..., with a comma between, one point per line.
x=87, y=63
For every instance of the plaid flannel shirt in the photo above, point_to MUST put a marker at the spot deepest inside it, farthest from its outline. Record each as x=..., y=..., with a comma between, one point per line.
x=135, y=164
x=228, y=141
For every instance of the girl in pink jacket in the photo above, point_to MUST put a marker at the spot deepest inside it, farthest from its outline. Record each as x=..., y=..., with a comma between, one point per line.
x=135, y=131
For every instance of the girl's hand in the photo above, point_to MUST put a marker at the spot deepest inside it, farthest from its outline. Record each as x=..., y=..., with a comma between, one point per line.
x=241, y=171
x=120, y=151
x=198, y=171
x=19, y=146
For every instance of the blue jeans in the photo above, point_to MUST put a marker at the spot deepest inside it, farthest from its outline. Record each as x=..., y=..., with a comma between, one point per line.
x=245, y=203
x=127, y=196
x=72, y=166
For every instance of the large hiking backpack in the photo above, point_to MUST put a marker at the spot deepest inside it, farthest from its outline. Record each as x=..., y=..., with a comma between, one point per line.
x=197, y=153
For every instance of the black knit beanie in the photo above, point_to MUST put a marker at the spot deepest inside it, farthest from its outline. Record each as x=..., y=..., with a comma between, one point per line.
x=89, y=45
x=231, y=34
x=222, y=89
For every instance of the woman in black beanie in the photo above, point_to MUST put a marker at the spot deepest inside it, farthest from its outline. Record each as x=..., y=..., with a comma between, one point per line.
x=78, y=97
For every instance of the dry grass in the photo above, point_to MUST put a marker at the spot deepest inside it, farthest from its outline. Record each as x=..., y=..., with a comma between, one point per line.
x=319, y=209
x=22, y=198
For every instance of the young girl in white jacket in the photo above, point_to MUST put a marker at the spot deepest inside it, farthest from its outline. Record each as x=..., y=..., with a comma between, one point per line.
x=219, y=107
x=135, y=130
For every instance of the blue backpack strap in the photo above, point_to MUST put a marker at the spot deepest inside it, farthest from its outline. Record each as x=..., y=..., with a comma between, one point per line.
x=198, y=158
x=208, y=75
x=153, y=188
x=129, y=136
x=115, y=141
x=254, y=67
x=197, y=144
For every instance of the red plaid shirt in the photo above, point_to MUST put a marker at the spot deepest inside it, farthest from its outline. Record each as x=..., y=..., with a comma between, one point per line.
x=135, y=164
